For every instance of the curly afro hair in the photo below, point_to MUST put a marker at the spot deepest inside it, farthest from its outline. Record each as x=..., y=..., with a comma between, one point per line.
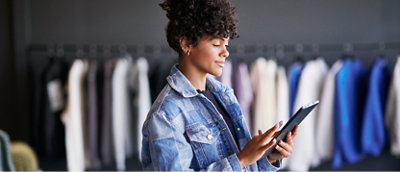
x=194, y=18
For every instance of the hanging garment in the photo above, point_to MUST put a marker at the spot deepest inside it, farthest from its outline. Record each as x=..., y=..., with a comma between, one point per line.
x=140, y=100
x=158, y=72
x=121, y=113
x=54, y=133
x=350, y=92
x=373, y=126
x=324, y=130
x=39, y=72
x=107, y=144
x=6, y=163
x=294, y=75
x=282, y=96
x=392, y=114
x=226, y=77
x=262, y=77
x=73, y=117
x=242, y=86
x=309, y=90
x=94, y=113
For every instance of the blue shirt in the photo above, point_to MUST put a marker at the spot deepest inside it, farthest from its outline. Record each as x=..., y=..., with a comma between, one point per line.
x=184, y=130
x=373, y=126
x=350, y=89
x=294, y=76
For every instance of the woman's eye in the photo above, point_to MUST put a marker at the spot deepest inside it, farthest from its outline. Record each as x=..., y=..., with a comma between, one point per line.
x=216, y=45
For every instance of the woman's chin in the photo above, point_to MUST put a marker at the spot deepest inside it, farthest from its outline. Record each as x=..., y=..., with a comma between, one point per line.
x=217, y=73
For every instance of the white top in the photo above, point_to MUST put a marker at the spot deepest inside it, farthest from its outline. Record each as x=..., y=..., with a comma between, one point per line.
x=121, y=113
x=142, y=101
x=324, y=120
x=283, y=96
x=262, y=77
x=73, y=115
x=309, y=88
x=392, y=115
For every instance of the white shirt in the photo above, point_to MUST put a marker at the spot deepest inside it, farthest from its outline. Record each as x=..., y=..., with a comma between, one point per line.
x=139, y=83
x=73, y=115
x=121, y=113
x=392, y=115
x=283, y=95
x=310, y=84
x=324, y=120
x=262, y=77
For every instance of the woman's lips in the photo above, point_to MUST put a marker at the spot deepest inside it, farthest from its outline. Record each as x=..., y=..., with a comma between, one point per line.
x=220, y=63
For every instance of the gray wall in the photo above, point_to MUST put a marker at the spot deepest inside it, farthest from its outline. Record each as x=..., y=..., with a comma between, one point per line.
x=261, y=21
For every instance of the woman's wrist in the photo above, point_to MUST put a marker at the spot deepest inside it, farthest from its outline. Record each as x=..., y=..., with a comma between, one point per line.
x=270, y=160
x=241, y=160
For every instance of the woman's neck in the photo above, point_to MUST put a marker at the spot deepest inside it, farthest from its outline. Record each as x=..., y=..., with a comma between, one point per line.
x=195, y=76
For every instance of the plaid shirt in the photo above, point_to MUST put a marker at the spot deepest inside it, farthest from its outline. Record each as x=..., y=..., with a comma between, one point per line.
x=184, y=130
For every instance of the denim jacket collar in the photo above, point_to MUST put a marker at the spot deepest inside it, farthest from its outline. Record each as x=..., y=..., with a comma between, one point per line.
x=178, y=81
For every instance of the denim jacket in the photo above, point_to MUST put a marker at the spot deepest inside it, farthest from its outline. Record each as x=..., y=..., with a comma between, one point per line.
x=184, y=130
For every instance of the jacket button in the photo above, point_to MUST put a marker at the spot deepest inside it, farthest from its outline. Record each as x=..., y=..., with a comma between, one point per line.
x=209, y=137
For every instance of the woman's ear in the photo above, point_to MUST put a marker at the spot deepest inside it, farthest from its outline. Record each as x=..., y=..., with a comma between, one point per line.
x=186, y=45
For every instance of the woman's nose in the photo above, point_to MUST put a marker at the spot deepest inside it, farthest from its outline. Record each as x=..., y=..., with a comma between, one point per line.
x=225, y=53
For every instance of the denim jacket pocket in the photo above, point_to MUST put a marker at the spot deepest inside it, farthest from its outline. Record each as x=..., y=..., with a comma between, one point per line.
x=204, y=143
x=200, y=133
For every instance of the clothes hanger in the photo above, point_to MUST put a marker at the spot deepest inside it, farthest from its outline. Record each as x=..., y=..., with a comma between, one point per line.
x=79, y=51
x=382, y=53
x=299, y=48
x=315, y=48
x=93, y=52
x=347, y=51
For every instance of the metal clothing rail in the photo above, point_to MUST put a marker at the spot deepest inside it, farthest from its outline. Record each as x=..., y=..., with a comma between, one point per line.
x=276, y=50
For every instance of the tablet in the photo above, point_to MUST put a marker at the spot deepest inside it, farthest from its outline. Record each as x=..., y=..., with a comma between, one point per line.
x=293, y=121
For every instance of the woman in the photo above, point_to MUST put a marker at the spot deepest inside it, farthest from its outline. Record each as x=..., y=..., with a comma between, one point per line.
x=196, y=122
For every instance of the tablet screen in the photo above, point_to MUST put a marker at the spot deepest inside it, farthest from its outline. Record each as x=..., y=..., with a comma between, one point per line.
x=293, y=121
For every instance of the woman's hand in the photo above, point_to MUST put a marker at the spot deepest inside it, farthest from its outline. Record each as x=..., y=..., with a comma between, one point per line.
x=256, y=147
x=284, y=149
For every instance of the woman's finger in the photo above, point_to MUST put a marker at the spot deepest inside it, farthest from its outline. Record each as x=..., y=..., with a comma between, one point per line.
x=289, y=138
x=269, y=133
x=268, y=145
x=286, y=146
x=259, y=132
x=296, y=128
x=275, y=134
x=283, y=152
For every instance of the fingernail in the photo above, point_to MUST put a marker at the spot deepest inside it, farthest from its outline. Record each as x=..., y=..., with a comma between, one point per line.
x=280, y=122
x=290, y=133
x=274, y=140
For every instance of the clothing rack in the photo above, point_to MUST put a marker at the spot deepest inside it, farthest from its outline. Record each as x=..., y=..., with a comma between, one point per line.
x=269, y=49
x=284, y=53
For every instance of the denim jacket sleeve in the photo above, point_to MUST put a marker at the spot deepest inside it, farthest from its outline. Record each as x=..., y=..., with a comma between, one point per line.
x=165, y=148
x=264, y=165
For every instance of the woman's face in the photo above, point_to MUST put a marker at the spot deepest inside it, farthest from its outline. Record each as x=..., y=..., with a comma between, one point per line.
x=209, y=55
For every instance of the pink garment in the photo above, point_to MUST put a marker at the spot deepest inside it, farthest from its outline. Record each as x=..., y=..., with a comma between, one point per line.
x=226, y=77
x=243, y=91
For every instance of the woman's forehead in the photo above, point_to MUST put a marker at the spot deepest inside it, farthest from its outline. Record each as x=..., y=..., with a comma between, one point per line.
x=209, y=37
